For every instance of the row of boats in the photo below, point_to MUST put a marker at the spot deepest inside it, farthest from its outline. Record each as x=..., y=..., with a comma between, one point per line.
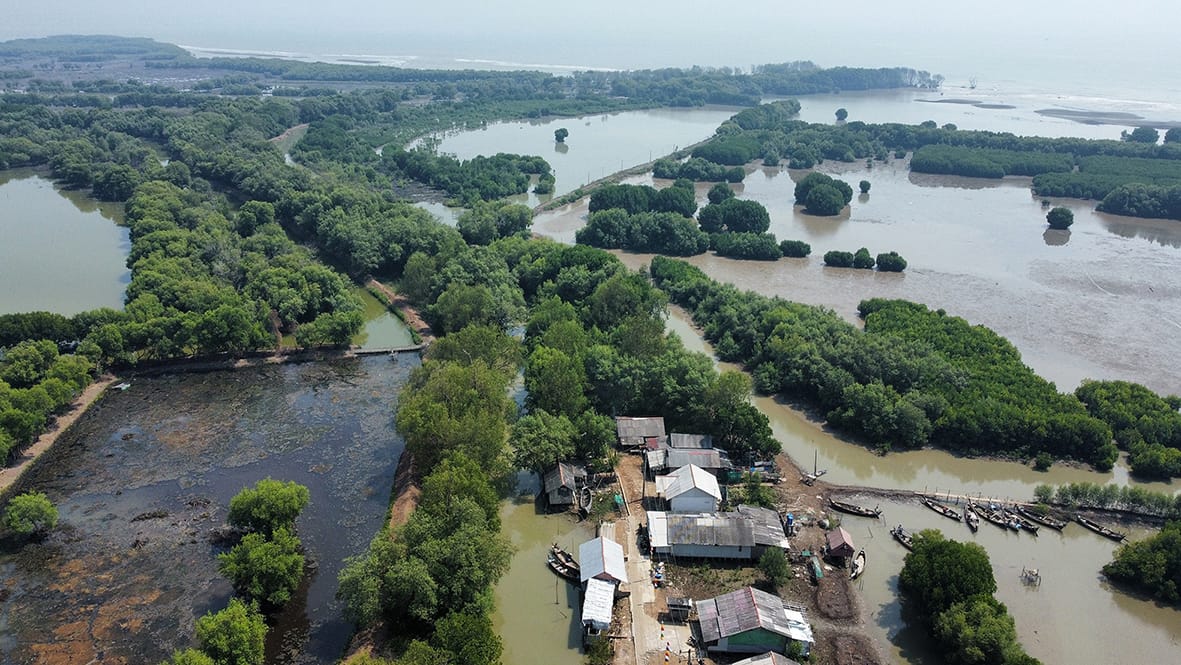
x=1016, y=518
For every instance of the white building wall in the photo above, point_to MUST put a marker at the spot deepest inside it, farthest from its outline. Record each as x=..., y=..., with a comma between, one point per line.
x=694, y=501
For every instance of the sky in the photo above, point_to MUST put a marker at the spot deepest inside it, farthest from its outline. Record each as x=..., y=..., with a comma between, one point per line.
x=1079, y=38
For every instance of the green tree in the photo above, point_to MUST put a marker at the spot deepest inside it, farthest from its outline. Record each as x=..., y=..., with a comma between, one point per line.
x=720, y=192
x=469, y=637
x=796, y=249
x=540, y=440
x=775, y=567
x=824, y=200
x=939, y=573
x=1173, y=135
x=976, y=631
x=233, y=636
x=268, y=506
x=863, y=260
x=1143, y=135
x=1153, y=564
x=863, y=186
x=189, y=657
x=555, y=382
x=560, y=134
x=1060, y=218
x=264, y=569
x=456, y=477
x=842, y=114
x=30, y=513
x=891, y=262
x=417, y=277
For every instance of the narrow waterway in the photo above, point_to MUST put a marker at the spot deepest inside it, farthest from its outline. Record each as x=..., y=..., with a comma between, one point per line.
x=62, y=251
x=537, y=613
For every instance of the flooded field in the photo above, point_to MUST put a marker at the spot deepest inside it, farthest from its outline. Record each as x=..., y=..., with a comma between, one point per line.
x=145, y=475
x=62, y=251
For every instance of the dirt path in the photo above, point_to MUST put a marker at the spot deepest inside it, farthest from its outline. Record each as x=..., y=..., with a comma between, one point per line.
x=11, y=474
x=288, y=132
x=409, y=311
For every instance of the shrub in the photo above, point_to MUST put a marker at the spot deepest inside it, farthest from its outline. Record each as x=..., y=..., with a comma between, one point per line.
x=838, y=259
x=30, y=513
x=796, y=249
x=1060, y=218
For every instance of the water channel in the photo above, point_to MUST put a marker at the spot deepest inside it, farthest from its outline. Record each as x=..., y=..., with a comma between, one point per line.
x=61, y=251
x=145, y=475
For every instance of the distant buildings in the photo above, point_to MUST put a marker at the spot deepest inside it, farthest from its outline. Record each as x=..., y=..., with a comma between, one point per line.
x=751, y=621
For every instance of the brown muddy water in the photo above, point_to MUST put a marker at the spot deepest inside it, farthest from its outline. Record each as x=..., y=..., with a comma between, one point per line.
x=537, y=613
x=142, y=478
x=1074, y=616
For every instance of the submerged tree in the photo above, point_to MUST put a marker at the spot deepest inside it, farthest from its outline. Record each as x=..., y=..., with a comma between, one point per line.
x=1060, y=218
x=560, y=134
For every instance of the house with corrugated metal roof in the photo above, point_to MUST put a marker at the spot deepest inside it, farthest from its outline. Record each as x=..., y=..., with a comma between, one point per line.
x=769, y=658
x=743, y=534
x=690, y=441
x=602, y=559
x=751, y=621
x=689, y=489
x=839, y=544
x=635, y=432
x=665, y=460
x=561, y=483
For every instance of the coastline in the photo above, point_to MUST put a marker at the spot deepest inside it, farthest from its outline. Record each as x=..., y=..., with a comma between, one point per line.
x=10, y=476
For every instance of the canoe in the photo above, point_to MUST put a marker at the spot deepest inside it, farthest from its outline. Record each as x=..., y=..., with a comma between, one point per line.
x=1044, y=520
x=972, y=520
x=1100, y=529
x=563, y=571
x=902, y=537
x=993, y=516
x=563, y=557
x=854, y=509
x=858, y=565
x=943, y=510
x=1021, y=521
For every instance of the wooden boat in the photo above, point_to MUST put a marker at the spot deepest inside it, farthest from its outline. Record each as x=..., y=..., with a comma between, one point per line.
x=564, y=571
x=586, y=499
x=564, y=558
x=854, y=509
x=1044, y=520
x=994, y=516
x=943, y=510
x=1100, y=529
x=972, y=520
x=902, y=537
x=1021, y=521
x=858, y=565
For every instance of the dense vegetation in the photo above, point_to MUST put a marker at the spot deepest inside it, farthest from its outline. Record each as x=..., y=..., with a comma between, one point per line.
x=948, y=587
x=36, y=382
x=29, y=514
x=914, y=377
x=1152, y=565
x=1129, y=177
x=1131, y=498
x=1145, y=424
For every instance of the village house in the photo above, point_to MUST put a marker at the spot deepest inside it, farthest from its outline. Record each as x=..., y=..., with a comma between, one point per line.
x=690, y=441
x=751, y=621
x=602, y=572
x=664, y=460
x=839, y=544
x=633, y=432
x=689, y=489
x=769, y=658
x=561, y=483
x=743, y=534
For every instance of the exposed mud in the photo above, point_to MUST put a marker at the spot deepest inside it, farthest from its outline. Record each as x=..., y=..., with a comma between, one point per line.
x=142, y=482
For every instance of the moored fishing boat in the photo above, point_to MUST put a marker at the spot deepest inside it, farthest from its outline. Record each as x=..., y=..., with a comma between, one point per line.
x=858, y=565
x=943, y=510
x=993, y=516
x=1021, y=522
x=1044, y=520
x=1100, y=529
x=565, y=558
x=854, y=509
x=563, y=570
x=971, y=518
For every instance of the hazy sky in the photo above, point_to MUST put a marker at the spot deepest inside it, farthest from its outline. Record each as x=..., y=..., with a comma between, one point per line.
x=955, y=38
